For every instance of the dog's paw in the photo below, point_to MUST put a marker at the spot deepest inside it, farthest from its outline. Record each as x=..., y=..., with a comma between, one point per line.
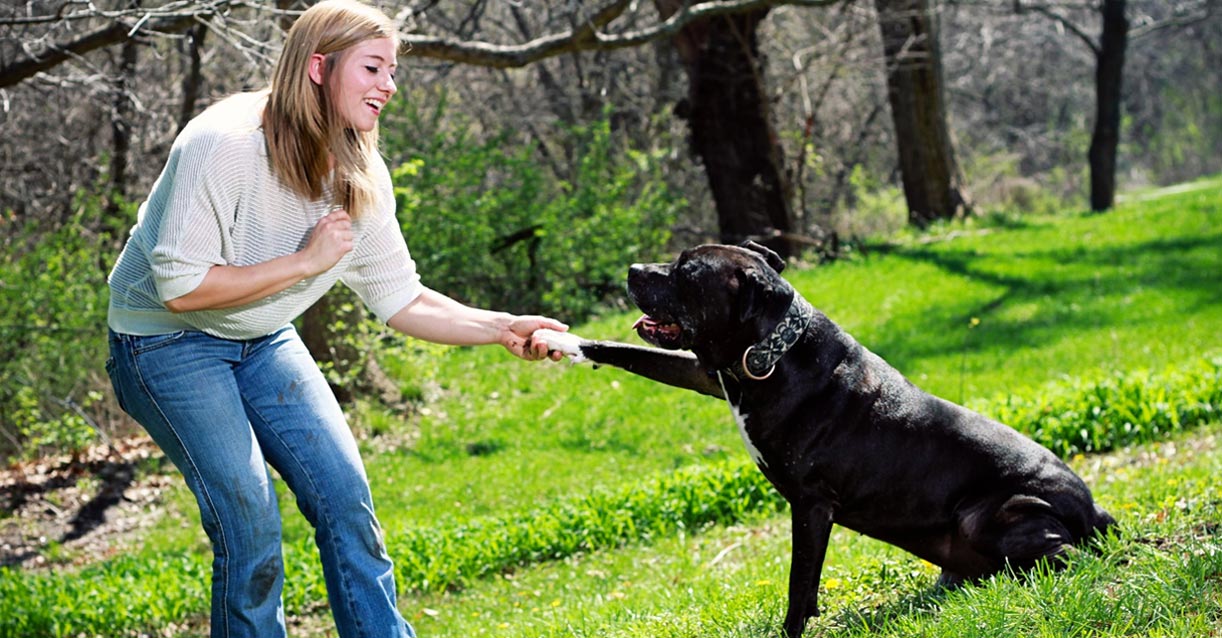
x=565, y=342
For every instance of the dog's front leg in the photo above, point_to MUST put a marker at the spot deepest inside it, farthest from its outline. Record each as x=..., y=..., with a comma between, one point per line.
x=678, y=369
x=812, y=526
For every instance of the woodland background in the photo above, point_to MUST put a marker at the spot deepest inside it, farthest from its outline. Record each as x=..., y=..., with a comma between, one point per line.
x=538, y=148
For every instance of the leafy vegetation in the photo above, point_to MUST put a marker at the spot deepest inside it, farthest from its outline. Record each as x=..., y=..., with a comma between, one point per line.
x=517, y=481
x=53, y=334
x=488, y=226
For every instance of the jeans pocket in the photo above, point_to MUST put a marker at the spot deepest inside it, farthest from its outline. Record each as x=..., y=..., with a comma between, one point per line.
x=141, y=345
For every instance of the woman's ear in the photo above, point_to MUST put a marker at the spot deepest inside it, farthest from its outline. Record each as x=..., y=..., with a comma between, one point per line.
x=318, y=62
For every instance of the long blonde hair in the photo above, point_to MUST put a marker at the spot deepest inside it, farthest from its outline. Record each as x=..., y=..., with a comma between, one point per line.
x=301, y=122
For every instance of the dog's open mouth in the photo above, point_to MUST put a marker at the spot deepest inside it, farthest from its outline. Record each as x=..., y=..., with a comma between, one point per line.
x=663, y=334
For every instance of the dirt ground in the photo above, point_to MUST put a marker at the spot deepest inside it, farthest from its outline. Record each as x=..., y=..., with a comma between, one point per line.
x=83, y=508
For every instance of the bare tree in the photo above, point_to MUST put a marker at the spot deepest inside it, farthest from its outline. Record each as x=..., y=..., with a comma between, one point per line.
x=1108, y=51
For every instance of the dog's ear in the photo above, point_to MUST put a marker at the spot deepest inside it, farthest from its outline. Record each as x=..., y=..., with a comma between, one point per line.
x=754, y=294
x=774, y=260
x=747, y=300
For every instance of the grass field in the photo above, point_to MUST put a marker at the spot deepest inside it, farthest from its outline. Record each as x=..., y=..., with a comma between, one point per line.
x=972, y=312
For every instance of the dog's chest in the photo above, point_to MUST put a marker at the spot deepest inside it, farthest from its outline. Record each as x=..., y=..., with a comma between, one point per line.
x=742, y=419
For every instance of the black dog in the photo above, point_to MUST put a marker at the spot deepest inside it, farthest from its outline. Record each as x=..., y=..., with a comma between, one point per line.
x=842, y=435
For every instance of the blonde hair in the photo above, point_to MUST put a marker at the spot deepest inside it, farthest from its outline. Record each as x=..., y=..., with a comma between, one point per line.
x=303, y=127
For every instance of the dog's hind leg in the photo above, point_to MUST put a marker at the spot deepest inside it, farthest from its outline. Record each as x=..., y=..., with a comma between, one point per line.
x=950, y=580
x=812, y=526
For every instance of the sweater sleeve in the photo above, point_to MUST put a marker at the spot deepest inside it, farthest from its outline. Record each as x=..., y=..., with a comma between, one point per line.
x=203, y=182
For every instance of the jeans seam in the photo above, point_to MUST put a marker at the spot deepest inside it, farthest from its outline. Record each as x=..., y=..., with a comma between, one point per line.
x=198, y=480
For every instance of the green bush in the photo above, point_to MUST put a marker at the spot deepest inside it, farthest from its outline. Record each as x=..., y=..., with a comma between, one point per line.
x=53, y=299
x=488, y=225
x=1126, y=408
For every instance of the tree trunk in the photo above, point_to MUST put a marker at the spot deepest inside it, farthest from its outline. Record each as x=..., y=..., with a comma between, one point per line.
x=933, y=184
x=1108, y=76
x=194, y=76
x=353, y=372
x=121, y=125
x=731, y=127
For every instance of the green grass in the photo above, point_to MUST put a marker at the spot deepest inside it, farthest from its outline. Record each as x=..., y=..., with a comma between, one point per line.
x=1163, y=576
x=1060, y=304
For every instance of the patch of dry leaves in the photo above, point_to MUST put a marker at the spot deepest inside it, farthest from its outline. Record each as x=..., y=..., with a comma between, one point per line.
x=81, y=508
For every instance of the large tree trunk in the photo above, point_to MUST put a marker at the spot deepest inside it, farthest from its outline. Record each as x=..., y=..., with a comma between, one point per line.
x=1108, y=76
x=933, y=184
x=731, y=127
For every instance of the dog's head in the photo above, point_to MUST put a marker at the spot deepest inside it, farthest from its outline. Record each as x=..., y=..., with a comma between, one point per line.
x=714, y=300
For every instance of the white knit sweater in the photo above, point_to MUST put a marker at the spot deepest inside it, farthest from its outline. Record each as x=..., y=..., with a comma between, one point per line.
x=217, y=202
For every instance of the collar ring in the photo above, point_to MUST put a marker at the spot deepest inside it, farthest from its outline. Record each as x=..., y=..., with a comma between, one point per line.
x=747, y=368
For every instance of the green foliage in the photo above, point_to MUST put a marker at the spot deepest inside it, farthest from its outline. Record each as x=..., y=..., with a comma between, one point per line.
x=1180, y=139
x=440, y=558
x=1125, y=408
x=1000, y=190
x=53, y=299
x=874, y=208
x=486, y=223
x=118, y=596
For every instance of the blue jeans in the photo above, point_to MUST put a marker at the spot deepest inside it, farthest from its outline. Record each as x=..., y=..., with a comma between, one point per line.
x=222, y=411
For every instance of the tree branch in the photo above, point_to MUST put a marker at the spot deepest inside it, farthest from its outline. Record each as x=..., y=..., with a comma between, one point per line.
x=1061, y=20
x=589, y=36
x=121, y=30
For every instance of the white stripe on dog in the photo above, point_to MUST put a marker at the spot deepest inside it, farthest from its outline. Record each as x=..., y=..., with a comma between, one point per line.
x=741, y=420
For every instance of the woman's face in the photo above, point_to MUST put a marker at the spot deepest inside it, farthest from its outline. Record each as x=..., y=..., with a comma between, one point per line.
x=363, y=82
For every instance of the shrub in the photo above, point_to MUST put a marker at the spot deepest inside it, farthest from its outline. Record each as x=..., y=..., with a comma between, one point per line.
x=488, y=225
x=1125, y=408
x=53, y=299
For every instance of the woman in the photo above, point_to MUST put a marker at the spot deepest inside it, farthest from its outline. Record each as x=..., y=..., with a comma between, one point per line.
x=268, y=199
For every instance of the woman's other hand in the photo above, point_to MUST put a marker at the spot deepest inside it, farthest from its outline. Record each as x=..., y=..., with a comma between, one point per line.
x=328, y=243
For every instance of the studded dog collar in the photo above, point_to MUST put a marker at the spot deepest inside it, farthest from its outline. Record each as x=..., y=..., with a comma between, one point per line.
x=759, y=360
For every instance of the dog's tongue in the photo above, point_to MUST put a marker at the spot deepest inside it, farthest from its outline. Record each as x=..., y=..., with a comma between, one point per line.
x=645, y=320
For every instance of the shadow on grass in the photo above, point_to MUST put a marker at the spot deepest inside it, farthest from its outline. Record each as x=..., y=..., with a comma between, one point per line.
x=1074, y=291
x=865, y=621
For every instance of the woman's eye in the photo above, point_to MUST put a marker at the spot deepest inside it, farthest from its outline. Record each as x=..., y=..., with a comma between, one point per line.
x=371, y=69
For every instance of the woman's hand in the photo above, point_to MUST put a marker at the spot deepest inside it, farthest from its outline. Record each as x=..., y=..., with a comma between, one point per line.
x=330, y=241
x=232, y=286
x=518, y=337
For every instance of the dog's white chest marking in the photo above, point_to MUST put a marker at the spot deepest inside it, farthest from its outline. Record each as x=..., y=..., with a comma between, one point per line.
x=741, y=419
